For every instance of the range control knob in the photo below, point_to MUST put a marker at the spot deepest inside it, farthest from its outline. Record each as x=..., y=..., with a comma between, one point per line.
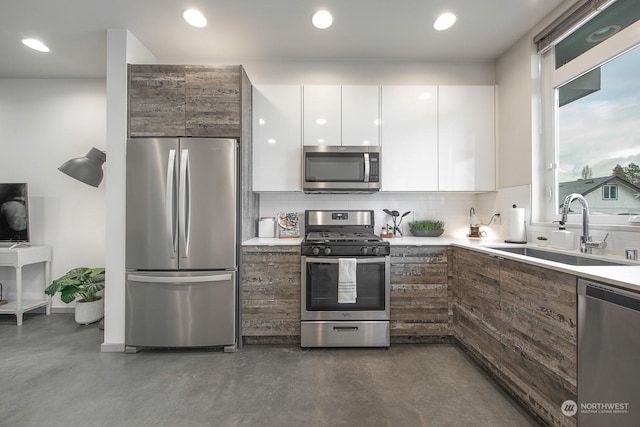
x=315, y=251
x=364, y=250
x=375, y=250
x=327, y=251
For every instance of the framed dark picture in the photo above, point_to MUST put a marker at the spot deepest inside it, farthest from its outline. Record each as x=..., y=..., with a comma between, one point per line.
x=14, y=213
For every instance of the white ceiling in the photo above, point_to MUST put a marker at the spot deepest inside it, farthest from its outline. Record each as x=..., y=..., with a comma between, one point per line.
x=75, y=30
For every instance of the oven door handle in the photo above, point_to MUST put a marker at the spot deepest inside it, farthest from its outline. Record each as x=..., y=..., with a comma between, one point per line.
x=376, y=260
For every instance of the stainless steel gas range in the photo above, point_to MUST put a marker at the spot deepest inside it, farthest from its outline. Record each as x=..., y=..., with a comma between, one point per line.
x=345, y=281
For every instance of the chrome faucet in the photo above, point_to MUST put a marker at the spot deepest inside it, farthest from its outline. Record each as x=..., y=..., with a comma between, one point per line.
x=586, y=243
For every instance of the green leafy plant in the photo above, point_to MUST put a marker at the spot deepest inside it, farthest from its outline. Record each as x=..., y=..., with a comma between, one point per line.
x=428, y=224
x=81, y=283
x=541, y=238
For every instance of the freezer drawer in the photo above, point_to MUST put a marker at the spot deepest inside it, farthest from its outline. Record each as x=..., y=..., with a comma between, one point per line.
x=181, y=309
x=345, y=334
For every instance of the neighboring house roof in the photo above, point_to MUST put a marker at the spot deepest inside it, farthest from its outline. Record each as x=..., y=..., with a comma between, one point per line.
x=586, y=186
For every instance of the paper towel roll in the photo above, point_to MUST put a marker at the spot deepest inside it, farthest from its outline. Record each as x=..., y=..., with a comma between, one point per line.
x=517, y=232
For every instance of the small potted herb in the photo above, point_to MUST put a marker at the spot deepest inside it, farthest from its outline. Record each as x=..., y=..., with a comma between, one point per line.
x=427, y=228
x=542, y=241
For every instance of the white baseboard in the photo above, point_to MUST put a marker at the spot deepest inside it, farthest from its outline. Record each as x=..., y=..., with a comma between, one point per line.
x=108, y=347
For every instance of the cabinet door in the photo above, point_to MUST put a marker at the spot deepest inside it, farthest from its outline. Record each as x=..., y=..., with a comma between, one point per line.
x=409, y=138
x=466, y=123
x=360, y=115
x=322, y=115
x=419, y=292
x=156, y=100
x=270, y=294
x=277, y=138
x=213, y=101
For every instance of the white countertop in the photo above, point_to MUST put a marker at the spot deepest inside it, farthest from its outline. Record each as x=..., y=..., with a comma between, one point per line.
x=627, y=276
x=273, y=241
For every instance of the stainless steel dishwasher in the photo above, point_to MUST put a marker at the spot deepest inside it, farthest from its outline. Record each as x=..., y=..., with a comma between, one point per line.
x=608, y=355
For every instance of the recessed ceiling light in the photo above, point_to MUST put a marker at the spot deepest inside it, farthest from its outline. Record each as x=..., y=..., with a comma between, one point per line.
x=35, y=45
x=322, y=19
x=321, y=121
x=603, y=33
x=445, y=21
x=271, y=141
x=195, y=18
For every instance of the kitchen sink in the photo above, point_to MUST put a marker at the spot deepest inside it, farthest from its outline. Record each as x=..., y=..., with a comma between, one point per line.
x=559, y=257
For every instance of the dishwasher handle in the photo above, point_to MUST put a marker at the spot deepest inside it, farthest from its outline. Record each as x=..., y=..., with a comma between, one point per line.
x=609, y=293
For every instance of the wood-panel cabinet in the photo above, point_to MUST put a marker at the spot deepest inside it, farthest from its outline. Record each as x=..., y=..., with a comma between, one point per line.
x=157, y=100
x=519, y=322
x=409, y=138
x=184, y=100
x=419, y=294
x=476, y=293
x=212, y=101
x=466, y=138
x=538, y=309
x=270, y=294
x=277, y=138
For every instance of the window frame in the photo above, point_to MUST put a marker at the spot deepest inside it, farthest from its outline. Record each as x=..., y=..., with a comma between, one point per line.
x=545, y=180
x=609, y=187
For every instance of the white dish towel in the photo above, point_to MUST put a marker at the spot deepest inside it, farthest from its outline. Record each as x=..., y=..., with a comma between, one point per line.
x=347, y=280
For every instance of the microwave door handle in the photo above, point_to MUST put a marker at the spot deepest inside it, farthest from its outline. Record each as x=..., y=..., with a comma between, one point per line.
x=366, y=167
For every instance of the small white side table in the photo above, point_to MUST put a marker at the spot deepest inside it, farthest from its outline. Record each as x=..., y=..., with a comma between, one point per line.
x=17, y=258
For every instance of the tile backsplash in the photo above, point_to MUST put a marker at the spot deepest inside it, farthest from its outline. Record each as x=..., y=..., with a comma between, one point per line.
x=451, y=208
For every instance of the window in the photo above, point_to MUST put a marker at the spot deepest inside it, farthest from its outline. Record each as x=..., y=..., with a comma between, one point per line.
x=609, y=192
x=591, y=93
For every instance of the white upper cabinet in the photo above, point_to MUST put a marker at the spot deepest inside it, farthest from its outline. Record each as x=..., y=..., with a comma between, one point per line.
x=277, y=138
x=466, y=138
x=322, y=115
x=341, y=115
x=360, y=115
x=409, y=138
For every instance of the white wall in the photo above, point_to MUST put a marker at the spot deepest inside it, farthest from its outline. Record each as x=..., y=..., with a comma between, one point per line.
x=122, y=48
x=44, y=123
x=290, y=71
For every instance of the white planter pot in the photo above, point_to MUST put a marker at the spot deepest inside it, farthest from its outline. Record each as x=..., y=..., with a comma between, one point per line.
x=89, y=312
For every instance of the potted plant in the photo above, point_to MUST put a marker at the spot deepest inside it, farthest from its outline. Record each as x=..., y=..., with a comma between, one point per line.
x=542, y=241
x=427, y=228
x=81, y=284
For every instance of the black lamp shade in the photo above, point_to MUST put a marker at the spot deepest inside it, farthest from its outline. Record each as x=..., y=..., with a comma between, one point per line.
x=87, y=169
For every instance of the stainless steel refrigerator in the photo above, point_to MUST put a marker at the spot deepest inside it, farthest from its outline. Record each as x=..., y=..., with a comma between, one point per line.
x=181, y=254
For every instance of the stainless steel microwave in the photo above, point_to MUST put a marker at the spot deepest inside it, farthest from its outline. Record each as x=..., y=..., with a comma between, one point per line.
x=341, y=169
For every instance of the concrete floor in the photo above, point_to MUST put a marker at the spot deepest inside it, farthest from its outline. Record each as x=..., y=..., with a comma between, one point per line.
x=52, y=374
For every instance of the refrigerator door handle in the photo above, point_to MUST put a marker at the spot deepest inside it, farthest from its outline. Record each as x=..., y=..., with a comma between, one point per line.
x=174, y=279
x=185, y=200
x=170, y=202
